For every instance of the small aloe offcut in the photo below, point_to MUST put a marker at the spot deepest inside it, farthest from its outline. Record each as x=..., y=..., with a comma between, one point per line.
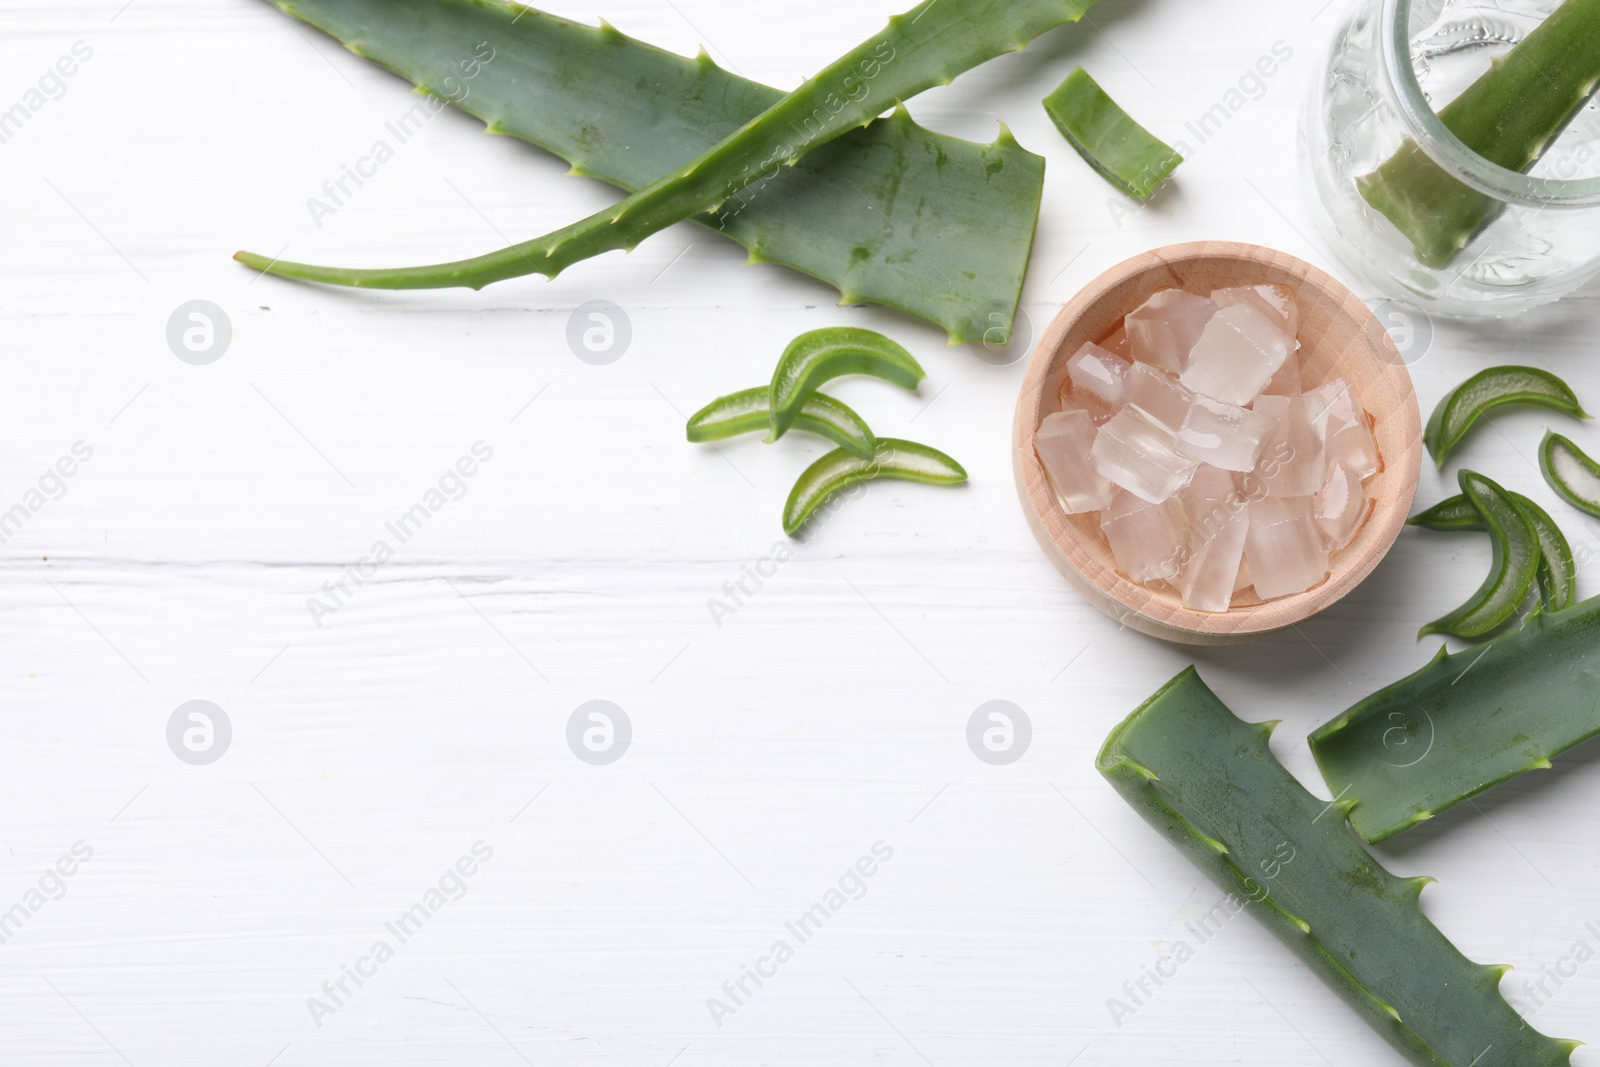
x=1208, y=782
x=891, y=214
x=927, y=46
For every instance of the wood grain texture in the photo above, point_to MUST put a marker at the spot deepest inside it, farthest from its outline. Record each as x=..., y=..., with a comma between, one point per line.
x=1340, y=338
x=830, y=711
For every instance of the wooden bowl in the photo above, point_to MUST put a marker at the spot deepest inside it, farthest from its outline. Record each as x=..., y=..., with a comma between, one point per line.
x=1339, y=337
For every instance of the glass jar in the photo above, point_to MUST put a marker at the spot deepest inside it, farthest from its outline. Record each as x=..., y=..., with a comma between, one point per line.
x=1391, y=64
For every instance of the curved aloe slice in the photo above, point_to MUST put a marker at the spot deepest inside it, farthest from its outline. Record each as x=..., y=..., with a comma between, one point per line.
x=1125, y=153
x=1465, y=722
x=820, y=355
x=867, y=214
x=1571, y=473
x=1516, y=561
x=1487, y=390
x=1209, y=784
x=748, y=411
x=1557, y=576
x=927, y=46
x=839, y=470
x=1509, y=116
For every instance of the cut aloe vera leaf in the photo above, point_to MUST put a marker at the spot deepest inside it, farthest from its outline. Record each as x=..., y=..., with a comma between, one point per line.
x=748, y=411
x=1557, y=576
x=1515, y=543
x=892, y=214
x=1465, y=722
x=1509, y=116
x=1487, y=390
x=1209, y=784
x=927, y=46
x=1571, y=473
x=839, y=470
x=821, y=355
x=1124, y=153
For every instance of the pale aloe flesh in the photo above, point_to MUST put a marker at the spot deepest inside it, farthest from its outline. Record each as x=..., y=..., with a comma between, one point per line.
x=929, y=45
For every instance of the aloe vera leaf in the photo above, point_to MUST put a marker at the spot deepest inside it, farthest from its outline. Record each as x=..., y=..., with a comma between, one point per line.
x=748, y=411
x=1208, y=782
x=1124, y=153
x=1509, y=116
x=1464, y=405
x=927, y=46
x=1515, y=543
x=1465, y=722
x=892, y=214
x=1557, y=575
x=1570, y=472
x=818, y=356
x=837, y=471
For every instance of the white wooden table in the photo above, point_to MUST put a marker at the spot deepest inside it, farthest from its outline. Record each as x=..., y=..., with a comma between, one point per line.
x=769, y=754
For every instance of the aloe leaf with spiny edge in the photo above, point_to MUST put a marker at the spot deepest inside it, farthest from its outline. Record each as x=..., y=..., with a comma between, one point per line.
x=1209, y=783
x=1465, y=723
x=930, y=45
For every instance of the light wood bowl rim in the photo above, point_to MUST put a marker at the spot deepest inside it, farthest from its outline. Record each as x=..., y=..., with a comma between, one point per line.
x=1384, y=388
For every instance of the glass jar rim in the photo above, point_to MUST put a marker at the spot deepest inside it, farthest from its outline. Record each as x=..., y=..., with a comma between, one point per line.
x=1450, y=152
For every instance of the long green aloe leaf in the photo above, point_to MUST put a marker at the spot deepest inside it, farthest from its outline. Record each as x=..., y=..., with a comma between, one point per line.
x=1509, y=116
x=891, y=214
x=1465, y=722
x=927, y=46
x=1208, y=782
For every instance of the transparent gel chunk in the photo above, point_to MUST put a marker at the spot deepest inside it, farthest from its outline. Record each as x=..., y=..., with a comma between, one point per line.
x=1274, y=301
x=1147, y=540
x=1208, y=578
x=1132, y=452
x=1063, y=443
x=1210, y=499
x=1095, y=372
x=1347, y=431
x=1158, y=395
x=1163, y=329
x=1223, y=434
x=1294, y=460
x=1237, y=354
x=1340, y=506
x=1118, y=344
x=1284, y=547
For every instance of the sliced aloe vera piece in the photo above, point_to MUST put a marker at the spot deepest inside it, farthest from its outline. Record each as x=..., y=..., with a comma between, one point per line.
x=839, y=470
x=1516, y=562
x=892, y=214
x=1557, y=576
x=822, y=355
x=748, y=411
x=1465, y=722
x=1487, y=390
x=927, y=46
x=1124, y=153
x=1509, y=116
x=1209, y=784
x=1571, y=473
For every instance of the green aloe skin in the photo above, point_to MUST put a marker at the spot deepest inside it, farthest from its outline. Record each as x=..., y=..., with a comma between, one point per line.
x=1120, y=150
x=890, y=214
x=1465, y=723
x=927, y=46
x=1208, y=782
x=1509, y=116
